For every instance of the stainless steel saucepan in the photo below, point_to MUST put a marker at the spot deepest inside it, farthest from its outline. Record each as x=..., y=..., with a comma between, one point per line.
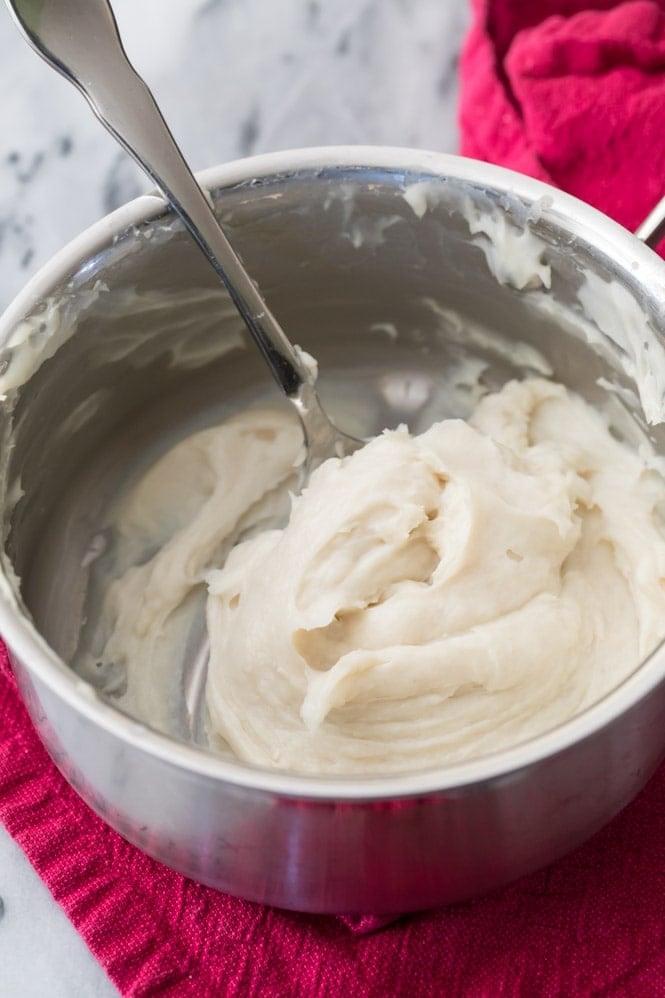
x=379, y=262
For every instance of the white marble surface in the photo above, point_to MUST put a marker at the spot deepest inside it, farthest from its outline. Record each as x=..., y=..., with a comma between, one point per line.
x=233, y=77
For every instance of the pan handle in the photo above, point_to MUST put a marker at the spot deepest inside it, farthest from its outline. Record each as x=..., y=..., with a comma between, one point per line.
x=652, y=229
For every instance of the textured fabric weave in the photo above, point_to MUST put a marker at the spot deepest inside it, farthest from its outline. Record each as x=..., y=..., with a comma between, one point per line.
x=579, y=100
x=594, y=923
x=571, y=92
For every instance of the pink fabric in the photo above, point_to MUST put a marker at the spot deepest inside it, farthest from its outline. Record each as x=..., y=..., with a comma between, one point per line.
x=578, y=99
x=571, y=92
x=593, y=923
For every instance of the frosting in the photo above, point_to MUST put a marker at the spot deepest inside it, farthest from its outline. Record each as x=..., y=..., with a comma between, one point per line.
x=514, y=253
x=606, y=314
x=432, y=598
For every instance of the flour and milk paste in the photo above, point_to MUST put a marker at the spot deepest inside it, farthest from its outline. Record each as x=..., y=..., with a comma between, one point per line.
x=432, y=598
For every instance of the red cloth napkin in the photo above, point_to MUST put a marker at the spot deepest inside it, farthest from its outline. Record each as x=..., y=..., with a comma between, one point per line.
x=577, y=99
x=571, y=92
x=592, y=923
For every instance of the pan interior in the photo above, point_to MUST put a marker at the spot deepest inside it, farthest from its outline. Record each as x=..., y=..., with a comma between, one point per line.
x=399, y=303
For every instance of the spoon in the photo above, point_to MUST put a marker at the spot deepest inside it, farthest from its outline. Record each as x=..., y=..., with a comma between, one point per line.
x=80, y=39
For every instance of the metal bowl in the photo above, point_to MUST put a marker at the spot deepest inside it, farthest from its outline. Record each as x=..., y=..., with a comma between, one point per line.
x=124, y=344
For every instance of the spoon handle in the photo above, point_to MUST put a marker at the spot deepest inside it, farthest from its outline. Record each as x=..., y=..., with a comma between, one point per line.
x=80, y=39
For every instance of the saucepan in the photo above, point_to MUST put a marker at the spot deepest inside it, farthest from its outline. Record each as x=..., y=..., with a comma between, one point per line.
x=395, y=269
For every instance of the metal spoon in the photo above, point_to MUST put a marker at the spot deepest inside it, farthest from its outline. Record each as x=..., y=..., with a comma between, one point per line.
x=80, y=39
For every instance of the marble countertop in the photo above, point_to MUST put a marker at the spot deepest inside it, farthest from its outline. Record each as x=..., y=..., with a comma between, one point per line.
x=233, y=78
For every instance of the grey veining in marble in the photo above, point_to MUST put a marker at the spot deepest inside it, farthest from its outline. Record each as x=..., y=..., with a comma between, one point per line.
x=234, y=78
x=40, y=954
